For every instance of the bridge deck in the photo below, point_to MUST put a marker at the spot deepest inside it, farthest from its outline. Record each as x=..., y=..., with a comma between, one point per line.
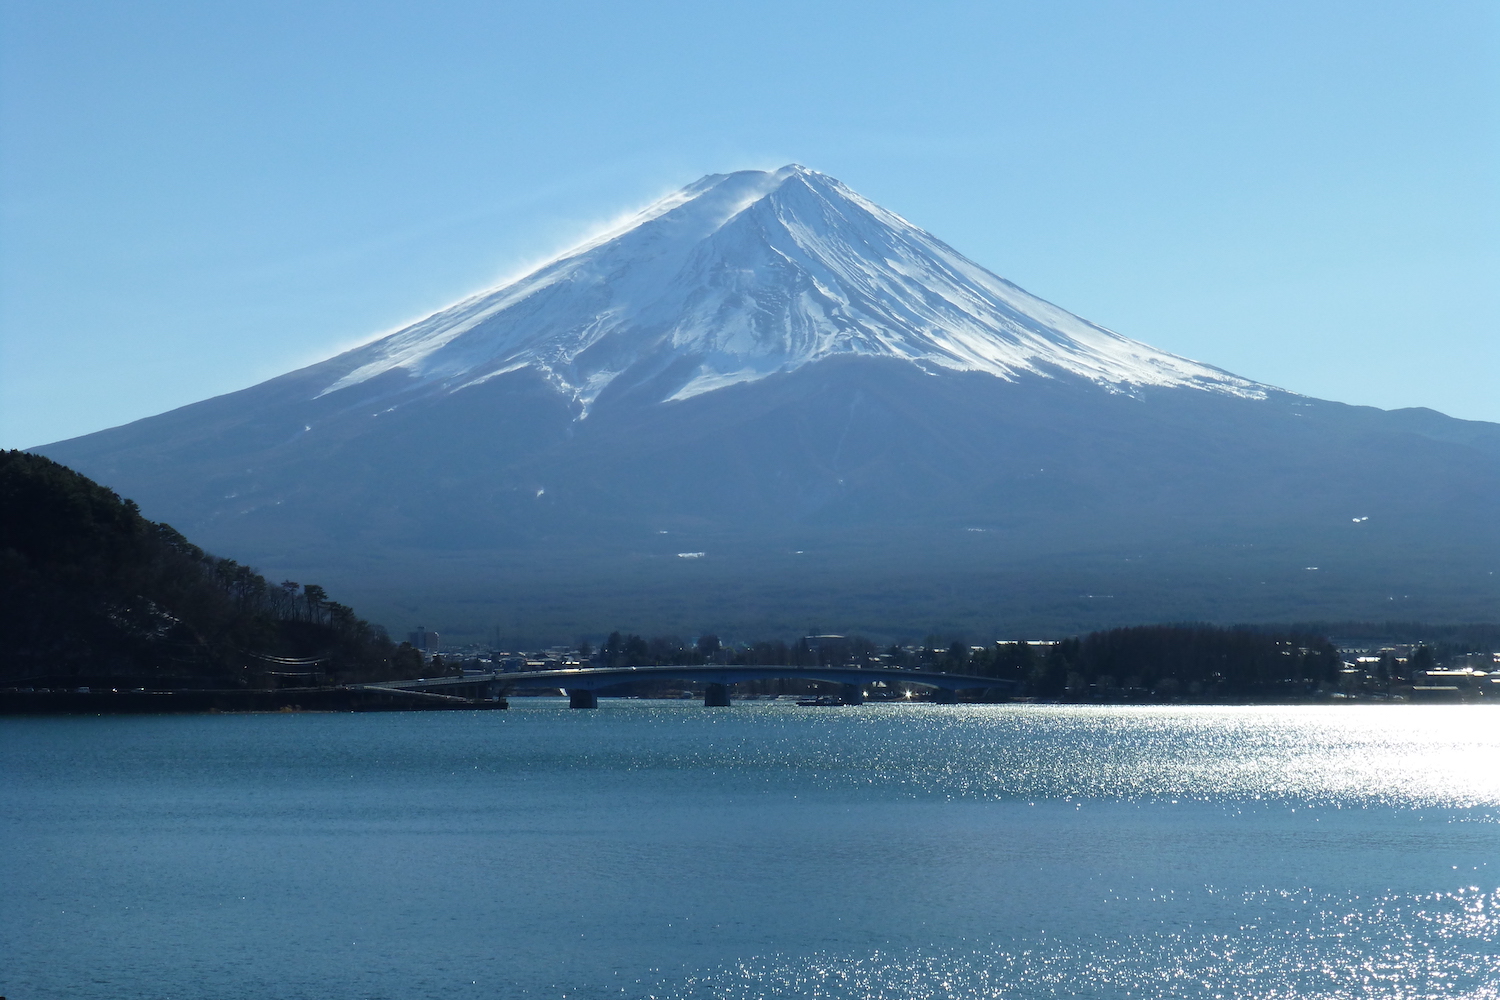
x=597, y=678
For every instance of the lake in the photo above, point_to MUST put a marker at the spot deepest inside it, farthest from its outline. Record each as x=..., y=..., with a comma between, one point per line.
x=659, y=849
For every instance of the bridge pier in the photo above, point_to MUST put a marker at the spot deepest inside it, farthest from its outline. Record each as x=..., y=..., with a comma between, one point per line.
x=580, y=698
x=851, y=694
x=945, y=696
x=716, y=696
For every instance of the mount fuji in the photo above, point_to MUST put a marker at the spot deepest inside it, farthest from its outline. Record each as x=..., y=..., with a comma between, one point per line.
x=765, y=403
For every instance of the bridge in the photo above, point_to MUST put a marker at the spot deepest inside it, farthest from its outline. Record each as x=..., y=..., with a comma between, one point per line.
x=583, y=684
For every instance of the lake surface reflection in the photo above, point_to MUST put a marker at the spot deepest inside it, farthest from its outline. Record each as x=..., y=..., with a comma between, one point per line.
x=653, y=849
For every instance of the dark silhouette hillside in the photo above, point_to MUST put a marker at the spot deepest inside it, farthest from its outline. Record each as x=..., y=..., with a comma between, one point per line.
x=91, y=592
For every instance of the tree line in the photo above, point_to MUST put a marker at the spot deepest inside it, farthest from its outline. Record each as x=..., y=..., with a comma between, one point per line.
x=1193, y=662
x=1163, y=662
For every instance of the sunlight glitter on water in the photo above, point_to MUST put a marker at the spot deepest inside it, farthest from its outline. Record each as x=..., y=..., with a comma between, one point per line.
x=1407, y=755
x=663, y=849
x=1341, y=756
x=1441, y=946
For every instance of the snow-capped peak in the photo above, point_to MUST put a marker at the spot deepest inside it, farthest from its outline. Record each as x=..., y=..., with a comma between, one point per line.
x=742, y=275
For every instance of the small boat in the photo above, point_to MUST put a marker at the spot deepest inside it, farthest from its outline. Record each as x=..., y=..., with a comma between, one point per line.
x=822, y=701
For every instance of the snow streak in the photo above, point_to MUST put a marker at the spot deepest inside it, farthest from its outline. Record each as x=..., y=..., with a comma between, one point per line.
x=743, y=275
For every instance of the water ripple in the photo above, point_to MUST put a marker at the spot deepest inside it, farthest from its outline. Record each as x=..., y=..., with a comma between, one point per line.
x=1439, y=946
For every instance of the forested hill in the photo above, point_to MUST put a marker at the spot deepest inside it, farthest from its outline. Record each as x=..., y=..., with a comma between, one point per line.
x=92, y=592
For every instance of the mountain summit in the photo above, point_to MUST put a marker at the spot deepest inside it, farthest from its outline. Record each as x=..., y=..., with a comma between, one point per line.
x=765, y=402
x=743, y=275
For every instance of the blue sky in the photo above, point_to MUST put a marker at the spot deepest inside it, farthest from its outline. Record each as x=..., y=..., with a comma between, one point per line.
x=197, y=197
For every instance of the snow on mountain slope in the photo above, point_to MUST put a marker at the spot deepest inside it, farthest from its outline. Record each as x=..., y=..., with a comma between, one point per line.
x=742, y=275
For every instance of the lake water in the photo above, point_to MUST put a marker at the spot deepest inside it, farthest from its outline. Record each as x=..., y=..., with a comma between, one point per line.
x=652, y=849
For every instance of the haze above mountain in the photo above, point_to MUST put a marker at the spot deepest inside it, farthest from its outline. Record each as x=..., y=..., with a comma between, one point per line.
x=765, y=402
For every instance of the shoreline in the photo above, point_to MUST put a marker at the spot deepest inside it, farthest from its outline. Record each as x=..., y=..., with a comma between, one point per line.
x=208, y=702
x=343, y=699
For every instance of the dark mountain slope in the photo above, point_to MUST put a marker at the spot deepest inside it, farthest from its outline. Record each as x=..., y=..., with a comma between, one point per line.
x=914, y=499
x=92, y=592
